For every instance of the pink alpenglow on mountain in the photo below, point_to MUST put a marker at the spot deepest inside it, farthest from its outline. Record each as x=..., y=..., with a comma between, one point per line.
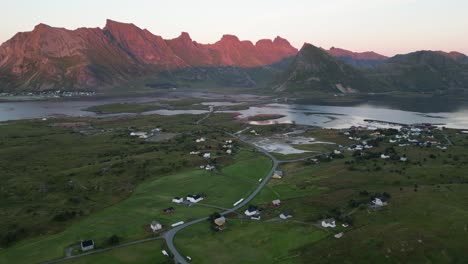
x=49, y=57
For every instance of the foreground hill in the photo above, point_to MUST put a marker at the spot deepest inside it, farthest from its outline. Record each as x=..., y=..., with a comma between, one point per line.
x=57, y=58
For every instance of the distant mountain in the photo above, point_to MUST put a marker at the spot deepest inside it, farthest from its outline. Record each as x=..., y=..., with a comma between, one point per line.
x=460, y=57
x=423, y=71
x=51, y=57
x=358, y=59
x=86, y=58
x=314, y=69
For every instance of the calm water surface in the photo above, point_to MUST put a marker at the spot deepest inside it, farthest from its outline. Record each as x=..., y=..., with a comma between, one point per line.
x=317, y=115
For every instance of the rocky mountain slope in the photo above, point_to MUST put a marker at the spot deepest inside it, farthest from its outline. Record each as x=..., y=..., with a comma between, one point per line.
x=86, y=58
x=315, y=69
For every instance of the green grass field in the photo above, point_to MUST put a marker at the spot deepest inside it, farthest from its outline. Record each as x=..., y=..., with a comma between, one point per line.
x=130, y=218
x=64, y=180
x=145, y=253
x=246, y=242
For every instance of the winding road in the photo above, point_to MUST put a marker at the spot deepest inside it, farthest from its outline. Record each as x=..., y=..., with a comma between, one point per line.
x=169, y=235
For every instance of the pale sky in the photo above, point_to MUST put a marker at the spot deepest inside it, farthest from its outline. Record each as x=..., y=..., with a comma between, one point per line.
x=385, y=26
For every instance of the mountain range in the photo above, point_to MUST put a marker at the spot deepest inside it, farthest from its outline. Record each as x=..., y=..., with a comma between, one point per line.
x=93, y=58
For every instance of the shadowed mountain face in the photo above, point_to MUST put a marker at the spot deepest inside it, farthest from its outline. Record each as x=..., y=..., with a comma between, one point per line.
x=358, y=59
x=57, y=58
x=423, y=71
x=315, y=69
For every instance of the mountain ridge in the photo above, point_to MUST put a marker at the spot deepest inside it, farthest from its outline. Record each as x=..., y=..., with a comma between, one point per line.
x=57, y=58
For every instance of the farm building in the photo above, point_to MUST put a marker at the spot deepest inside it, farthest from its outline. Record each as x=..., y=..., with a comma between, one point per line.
x=87, y=245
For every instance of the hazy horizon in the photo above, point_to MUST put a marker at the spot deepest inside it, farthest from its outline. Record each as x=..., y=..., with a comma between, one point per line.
x=384, y=26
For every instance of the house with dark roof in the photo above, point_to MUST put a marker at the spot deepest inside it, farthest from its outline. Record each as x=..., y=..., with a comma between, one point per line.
x=251, y=211
x=285, y=215
x=168, y=210
x=87, y=245
x=278, y=174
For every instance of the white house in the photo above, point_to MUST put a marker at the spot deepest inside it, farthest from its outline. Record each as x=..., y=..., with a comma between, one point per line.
x=337, y=152
x=87, y=245
x=380, y=201
x=155, y=226
x=200, y=140
x=194, y=198
x=229, y=151
x=178, y=200
x=383, y=156
x=256, y=217
x=164, y=252
x=285, y=215
x=403, y=159
x=142, y=135
x=209, y=167
x=329, y=223
x=276, y=202
x=251, y=211
x=194, y=152
x=207, y=155
x=339, y=235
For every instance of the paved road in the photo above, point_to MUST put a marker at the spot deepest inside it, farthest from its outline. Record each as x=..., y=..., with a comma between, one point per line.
x=169, y=235
x=448, y=140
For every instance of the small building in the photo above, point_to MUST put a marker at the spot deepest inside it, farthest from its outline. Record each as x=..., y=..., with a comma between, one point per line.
x=345, y=225
x=164, y=252
x=383, y=156
x=200, y=140
x=256, y=217
x=339, y=235
x=276, y=202
x=220, y=223
x=285, y=215
x=87, y=245
x=251, y=211
x=155, y=226
x=380, y=201
x=329, y=223
x=207, y=155
x=194, y=198
x=403, y=159
x=209, y=167
x=336, y=152
x=178, y=200
x=229, y=151
x=142, y=135
x=169, y=210
x=278, y=174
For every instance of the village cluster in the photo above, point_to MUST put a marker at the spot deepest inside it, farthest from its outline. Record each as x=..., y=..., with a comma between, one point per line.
x=420, y=135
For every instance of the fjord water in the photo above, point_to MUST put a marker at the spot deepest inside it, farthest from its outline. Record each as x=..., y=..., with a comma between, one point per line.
x=315, y=115
x=346, y=116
